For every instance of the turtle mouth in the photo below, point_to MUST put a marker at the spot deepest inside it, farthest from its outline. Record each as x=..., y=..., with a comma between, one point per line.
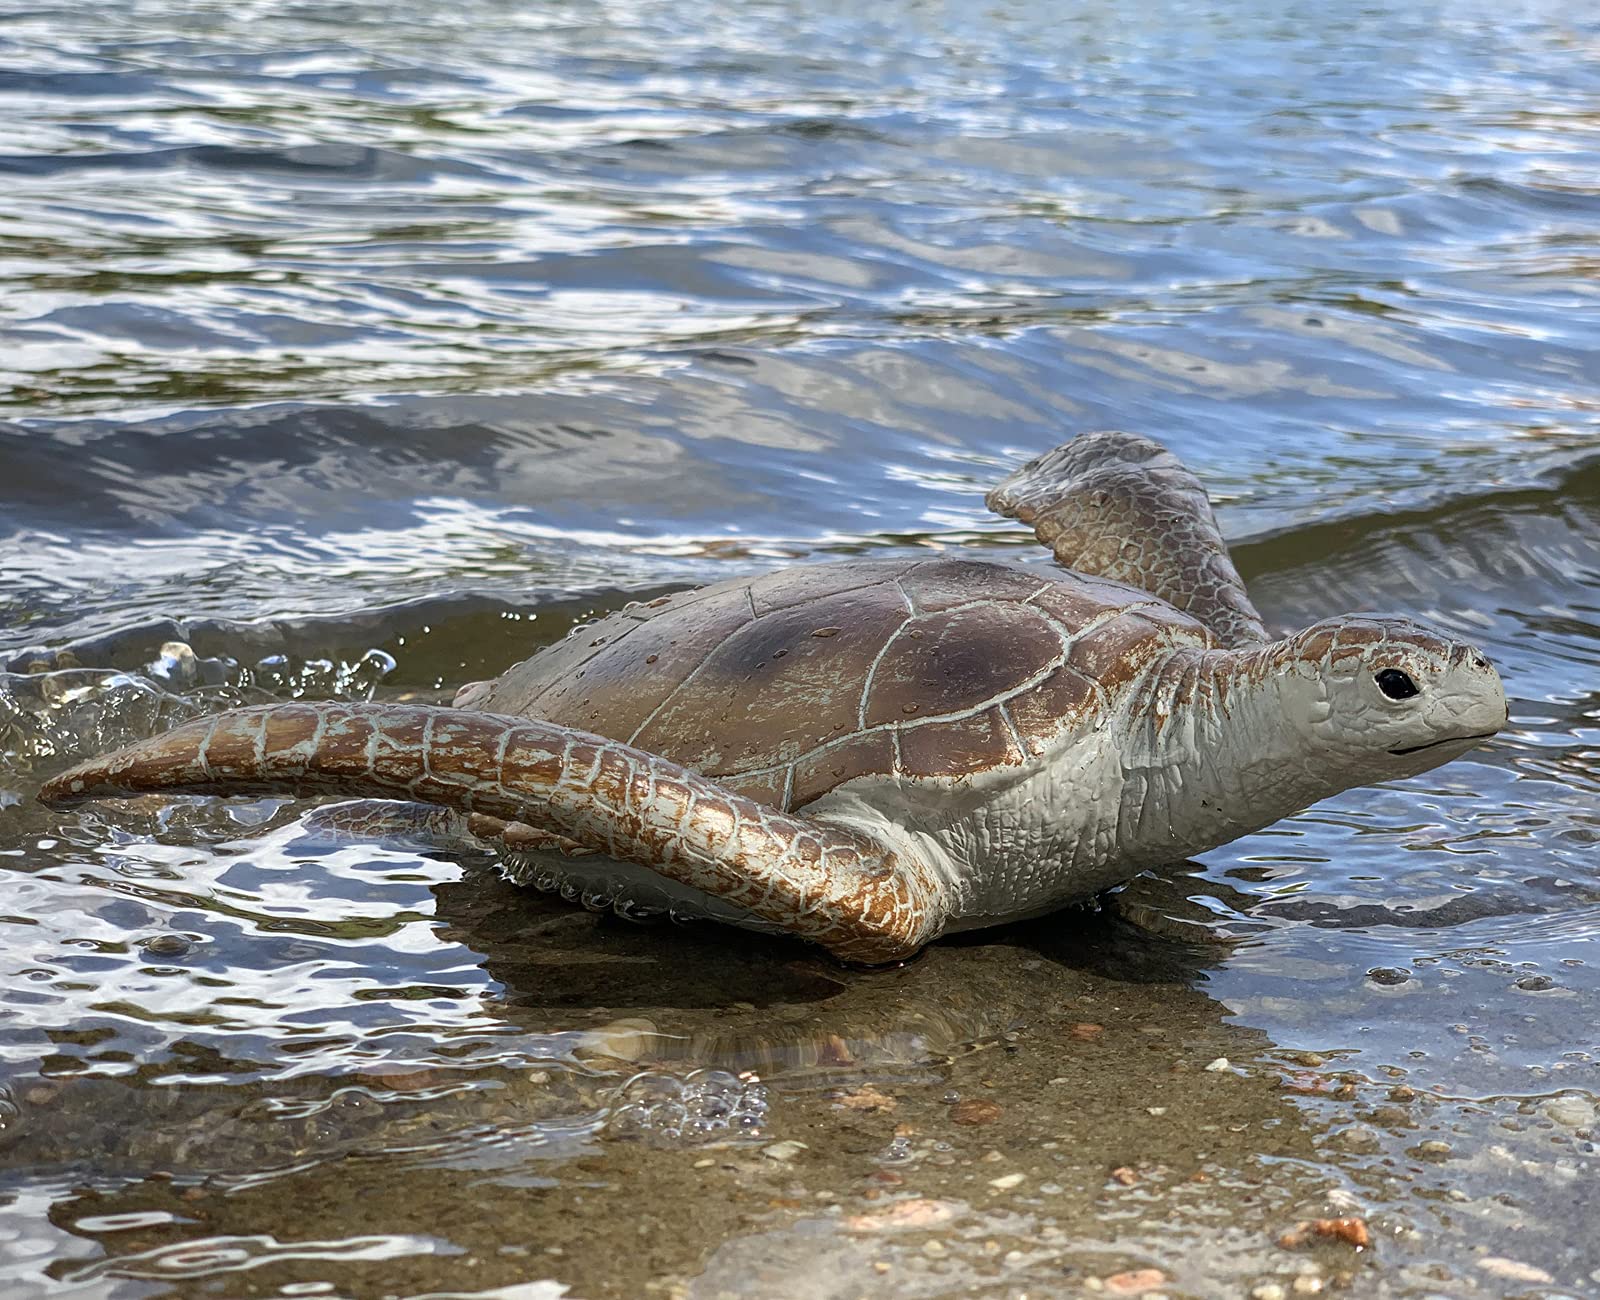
x=1448, y=740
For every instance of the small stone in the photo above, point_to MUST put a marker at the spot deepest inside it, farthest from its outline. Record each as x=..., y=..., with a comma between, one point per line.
x=880, y=1266
x=627, y=1039
x=975, y=1112
x=1085, y=1032
x=918, y=1213
x=1219, y=1066
x=1433, y=1150
x=933, y=1247
x=1570, y=1112
x=784, y=1150
x=1306, y=1284
x=1268, y=1291
x=866, y=1098
x=1005, y=1182
x=1514, y=1270
x=1352, y=1231
x=1138, y=1281
x=1388, y=975
x=1122, y=1174
x=1402, y=1093
x=1155, y=1110
x=704, y=1164
x=1359, y=1139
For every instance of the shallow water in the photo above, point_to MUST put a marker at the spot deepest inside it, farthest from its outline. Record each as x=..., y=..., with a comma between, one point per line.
x=364, y=348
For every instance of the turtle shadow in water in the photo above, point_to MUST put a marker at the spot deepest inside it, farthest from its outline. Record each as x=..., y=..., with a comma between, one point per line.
x=709, y=994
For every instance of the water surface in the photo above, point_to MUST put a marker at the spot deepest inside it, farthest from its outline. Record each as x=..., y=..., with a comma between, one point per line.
x=364, y=348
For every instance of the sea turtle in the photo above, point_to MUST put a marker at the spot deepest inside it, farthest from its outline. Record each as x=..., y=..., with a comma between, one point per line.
x=869, y=754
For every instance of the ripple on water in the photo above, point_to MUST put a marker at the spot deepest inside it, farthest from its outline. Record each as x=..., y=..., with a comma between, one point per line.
x=362, y=350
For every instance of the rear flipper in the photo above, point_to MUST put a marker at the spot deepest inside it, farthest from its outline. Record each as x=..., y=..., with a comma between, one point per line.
x=862, y=899
x=1120, y=506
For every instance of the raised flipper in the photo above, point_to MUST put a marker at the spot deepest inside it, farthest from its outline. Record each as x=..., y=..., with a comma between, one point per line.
x=860, y=899
x=1120, y=506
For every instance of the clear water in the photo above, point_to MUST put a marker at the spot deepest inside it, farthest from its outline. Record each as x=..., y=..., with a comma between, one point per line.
x=365, y=347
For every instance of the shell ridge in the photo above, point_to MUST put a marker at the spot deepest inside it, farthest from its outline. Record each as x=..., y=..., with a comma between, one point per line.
x=883, y=650
x=895, y=728
x=705, y=661
x=1011, y=727
x=594, y=651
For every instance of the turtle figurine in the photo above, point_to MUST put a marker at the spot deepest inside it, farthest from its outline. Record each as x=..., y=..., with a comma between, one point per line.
x=873, y=753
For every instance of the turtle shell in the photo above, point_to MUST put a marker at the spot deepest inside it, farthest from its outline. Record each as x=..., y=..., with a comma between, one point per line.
x=787, y=685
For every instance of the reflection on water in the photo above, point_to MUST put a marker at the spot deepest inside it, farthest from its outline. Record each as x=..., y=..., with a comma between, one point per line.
x=356, y=350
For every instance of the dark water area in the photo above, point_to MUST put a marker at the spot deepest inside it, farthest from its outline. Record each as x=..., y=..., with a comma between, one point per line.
x=364, y=348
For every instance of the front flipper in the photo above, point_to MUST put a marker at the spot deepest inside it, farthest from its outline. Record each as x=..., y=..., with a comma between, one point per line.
x=1120, y=506
x=858, y=898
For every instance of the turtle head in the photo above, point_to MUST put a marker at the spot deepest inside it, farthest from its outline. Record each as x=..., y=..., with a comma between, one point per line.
x=1387, y=696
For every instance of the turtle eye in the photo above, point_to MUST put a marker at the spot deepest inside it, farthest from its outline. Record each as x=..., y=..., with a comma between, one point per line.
x=1396, y=684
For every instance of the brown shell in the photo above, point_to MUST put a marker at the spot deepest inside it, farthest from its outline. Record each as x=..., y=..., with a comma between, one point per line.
x=787, y=685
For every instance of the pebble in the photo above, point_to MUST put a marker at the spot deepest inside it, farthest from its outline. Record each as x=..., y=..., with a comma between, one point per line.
x=918, y=1213
x=1570, y=1112
x=784, y=1150
x=1362, y=1141
x=975, y=1112
x=1005, y=1182
x=1219, y=1065
x=1307, y=1285
x=1351, y=1230
x=867, y=1098
x=1433, y=1150
x=620, y=1040
x=1514, y=1270
x=1138, y=1281
x=1269, y=1291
